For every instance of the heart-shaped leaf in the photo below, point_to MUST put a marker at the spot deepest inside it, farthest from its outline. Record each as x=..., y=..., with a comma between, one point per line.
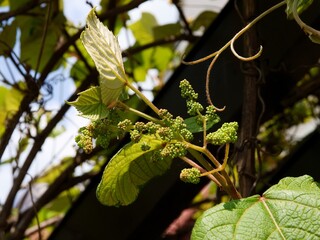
x=105, y=51
x=287, y=210
x=128, y=170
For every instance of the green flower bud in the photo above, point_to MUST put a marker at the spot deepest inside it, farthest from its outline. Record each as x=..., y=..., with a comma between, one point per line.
x=135, y=136
x=187, y=90
x=125, y=125
x=190, y=175
x=165, y=133
x=226, y=134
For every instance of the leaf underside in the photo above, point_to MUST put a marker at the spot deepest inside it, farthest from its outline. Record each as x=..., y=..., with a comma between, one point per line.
x=128, y=171
x=105, y=51
x=287, y=210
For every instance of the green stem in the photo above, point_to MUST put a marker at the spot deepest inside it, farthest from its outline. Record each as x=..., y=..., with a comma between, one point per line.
x=312, y=33
x=223, y=178
x=143, y=97
x=193, y=164
x=138, y=113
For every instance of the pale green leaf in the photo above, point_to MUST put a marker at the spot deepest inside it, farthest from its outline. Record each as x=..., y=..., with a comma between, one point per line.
x=105, y=51
x=287, y=210
x=128, y=170
x=90, y=105
x=10, y=99
x=143, y=29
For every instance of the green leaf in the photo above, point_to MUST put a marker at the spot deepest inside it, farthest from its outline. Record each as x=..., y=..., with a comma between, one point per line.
x=10, y=99
x=128, y=170
x=53, y=172
x=8, y=37
x=204, y=19
x=31, y=39
x=287, y=210
x=194, y=125
x=167, y=30
x=302, y=5
x=90, y=105
x=105, y=51
x=143, y=29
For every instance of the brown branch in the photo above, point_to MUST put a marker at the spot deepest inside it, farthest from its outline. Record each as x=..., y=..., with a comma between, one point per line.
x=51, y=221
x=183, y=18
x=62, y=182
x=58, y=54
x=21, y=10
x=166, y=40
x=39, y=140
x=246, y=154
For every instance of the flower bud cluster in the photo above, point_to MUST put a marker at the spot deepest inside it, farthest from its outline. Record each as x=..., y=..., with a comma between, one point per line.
x=211, y=115
x=102, y=131
x=187, y=92
x=84, y=139
x=226, y=134
x=190, y=175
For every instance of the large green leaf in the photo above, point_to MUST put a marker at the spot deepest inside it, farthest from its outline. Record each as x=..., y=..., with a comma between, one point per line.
x=90, y=105
x=287, y=210
x=128, y=170
x=105, y=51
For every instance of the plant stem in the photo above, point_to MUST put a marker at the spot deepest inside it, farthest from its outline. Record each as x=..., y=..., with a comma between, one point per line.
x=312, y=33
x=193, y=164
x=138, y=113
x=223, y=178
x=143, y=97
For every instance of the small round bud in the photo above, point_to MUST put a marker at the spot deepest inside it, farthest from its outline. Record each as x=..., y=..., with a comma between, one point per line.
x=226, y=134
x=187, y=90
x=125, y=125
x=190, y=175
x=135, y=136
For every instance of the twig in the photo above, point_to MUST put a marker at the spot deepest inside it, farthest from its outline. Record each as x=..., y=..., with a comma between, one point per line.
x=43, y=39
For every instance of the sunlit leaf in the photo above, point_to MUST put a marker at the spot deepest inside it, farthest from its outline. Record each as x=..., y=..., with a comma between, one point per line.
x=128, y=170
x=105, y=51
x=4, y=3
x=143, y=29
x=167, y=30
x=287, y=210
x=10, y=99
x=90, y=105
